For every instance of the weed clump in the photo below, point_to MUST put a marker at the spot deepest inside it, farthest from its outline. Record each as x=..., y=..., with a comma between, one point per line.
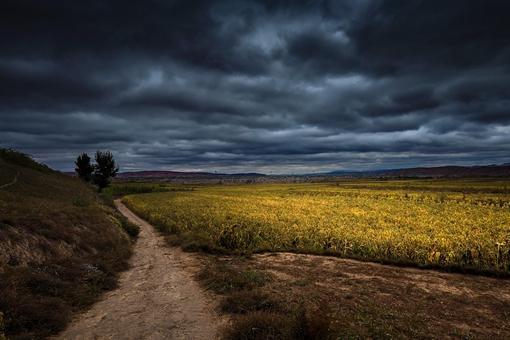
x=258, y=314
x=311, y=324
x=246, y=301
x=131, y=229
x=260, y=326
x=298, y=325
x=224, y=279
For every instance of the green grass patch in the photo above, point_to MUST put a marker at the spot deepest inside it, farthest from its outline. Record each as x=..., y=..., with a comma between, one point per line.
x=119, y=189
x=130, y=228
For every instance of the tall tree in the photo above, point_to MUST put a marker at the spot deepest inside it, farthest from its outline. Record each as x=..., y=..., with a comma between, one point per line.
x=83, y=167
x=105, y=169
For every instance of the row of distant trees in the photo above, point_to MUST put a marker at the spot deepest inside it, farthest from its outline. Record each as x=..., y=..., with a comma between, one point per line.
x=100, y=173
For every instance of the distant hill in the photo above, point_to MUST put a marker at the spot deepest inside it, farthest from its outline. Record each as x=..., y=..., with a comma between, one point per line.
x=449, y=171
x=180, y=175
x=502, y=170
x=161, y=174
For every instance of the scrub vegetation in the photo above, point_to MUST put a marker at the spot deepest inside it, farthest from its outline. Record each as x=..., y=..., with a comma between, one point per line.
x=60, y=247
x=255, y=311
x=127, y=188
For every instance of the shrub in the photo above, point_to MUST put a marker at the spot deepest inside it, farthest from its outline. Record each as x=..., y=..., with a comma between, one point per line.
x=223, y=279
x=127, y=188
x=249, y=301
x=130, y=228
x=311, y=324
x=303, y=324
x=260, y=326
x=33, y=316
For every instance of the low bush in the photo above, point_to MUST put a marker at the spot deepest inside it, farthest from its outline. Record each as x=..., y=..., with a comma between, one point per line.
x=129, y=188
x=301, y=324
x=224, y=279
x=246, y=301
x=258, y=314
x=260, y=326
x=311, y=324
x=130, y=228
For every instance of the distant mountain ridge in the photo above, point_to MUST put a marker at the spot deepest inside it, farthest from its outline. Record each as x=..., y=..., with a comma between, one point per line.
x=447, y=171
x=450, y=171
x=182, y=174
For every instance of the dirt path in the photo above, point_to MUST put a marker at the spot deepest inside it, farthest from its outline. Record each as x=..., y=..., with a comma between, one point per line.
x=14, y=181
x=156, y=299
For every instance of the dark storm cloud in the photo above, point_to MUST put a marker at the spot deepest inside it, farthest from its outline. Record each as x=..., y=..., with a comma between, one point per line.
x=281, y=86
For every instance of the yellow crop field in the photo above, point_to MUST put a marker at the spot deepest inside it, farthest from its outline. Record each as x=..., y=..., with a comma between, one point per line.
x=463, y=224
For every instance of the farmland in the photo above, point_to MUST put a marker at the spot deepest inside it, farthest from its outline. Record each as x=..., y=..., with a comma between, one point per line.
x=454, y=224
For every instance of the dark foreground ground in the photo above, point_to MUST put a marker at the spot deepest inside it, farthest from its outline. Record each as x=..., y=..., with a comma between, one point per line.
x=294, y=295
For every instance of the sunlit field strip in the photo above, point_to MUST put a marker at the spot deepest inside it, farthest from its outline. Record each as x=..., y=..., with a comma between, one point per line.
x=453, y=229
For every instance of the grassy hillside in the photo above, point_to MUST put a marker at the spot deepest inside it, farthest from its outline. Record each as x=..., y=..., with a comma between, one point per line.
x=60, y=247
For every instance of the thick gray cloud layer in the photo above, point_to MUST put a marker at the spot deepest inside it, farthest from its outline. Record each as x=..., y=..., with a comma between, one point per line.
x=271, y=86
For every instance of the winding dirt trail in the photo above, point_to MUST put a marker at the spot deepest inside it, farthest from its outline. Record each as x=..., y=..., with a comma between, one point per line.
x=14, y=181
x=157, y=298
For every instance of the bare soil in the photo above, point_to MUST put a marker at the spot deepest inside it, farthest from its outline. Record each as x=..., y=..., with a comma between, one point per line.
x=370, y=300
x=157, y=298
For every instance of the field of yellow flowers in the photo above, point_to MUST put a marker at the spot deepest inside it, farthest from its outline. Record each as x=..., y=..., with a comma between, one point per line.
x=454, y=224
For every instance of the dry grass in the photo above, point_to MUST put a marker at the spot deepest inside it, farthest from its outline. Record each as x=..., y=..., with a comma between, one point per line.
x=319, y=297
x=366, y=300
x=396, y=222
x=2, y=327
x=246, y=301
x=221, y=278
x=260, y=325
x=60, y=248
x=257, y=313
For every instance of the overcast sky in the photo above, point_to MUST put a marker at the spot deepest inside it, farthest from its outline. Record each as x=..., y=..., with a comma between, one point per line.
x=269, y=86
